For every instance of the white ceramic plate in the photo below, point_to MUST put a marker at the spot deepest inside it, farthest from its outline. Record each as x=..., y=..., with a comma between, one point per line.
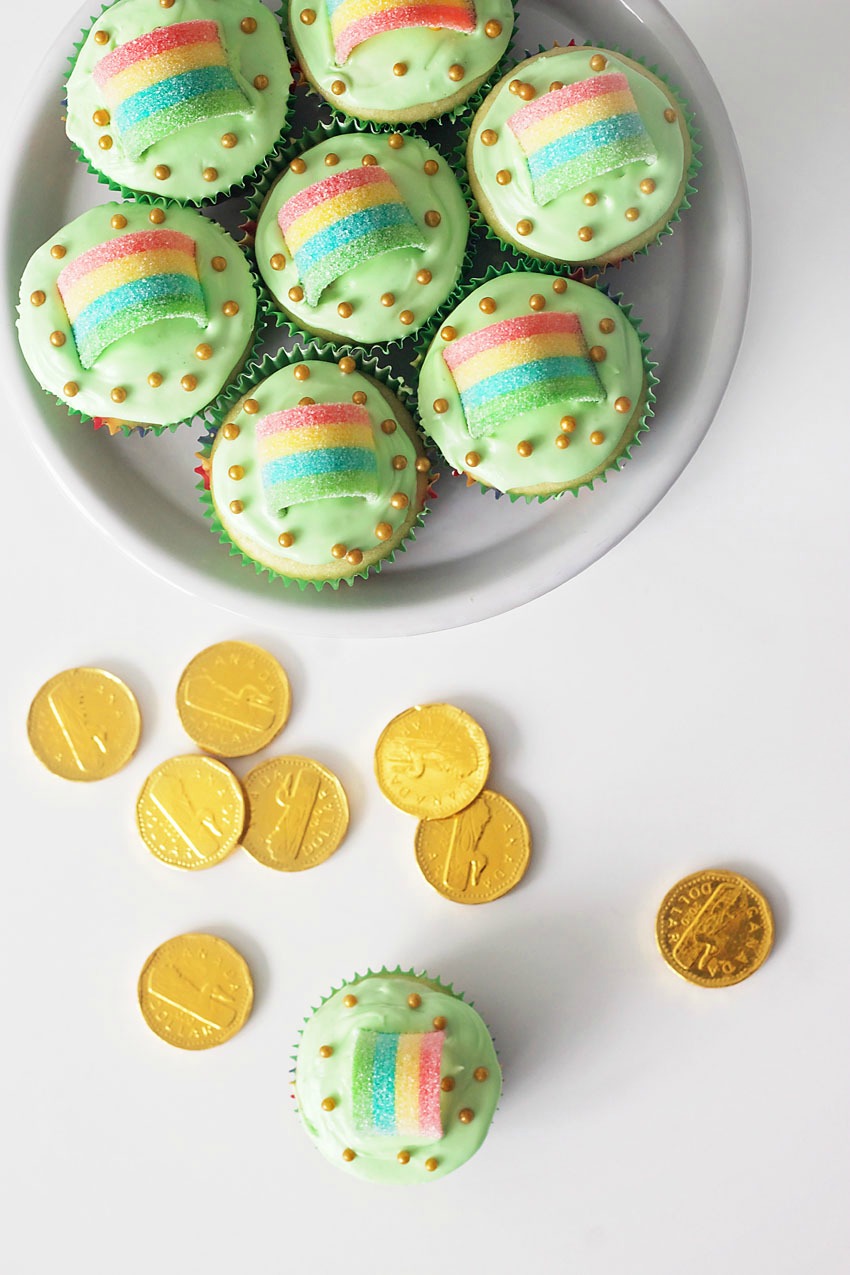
x=476, y=557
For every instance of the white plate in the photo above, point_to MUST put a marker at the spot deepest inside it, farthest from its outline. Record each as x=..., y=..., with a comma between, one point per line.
x=476, y=557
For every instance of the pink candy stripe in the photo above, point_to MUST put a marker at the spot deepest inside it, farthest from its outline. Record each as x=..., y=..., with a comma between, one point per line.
x=452, y=17
x=571, y=95
x=308, y=198
x=430, y=1058
x=125, y=246
x=508, y=330
x=312, y=415
x=158, y=41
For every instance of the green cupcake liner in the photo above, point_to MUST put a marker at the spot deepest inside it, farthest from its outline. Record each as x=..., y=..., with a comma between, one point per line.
x=596, y=280
x=479, y=221
x=166, y=201
x=260, y=370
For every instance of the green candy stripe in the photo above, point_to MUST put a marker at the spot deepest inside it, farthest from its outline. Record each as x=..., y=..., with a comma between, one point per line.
x=362, y=1079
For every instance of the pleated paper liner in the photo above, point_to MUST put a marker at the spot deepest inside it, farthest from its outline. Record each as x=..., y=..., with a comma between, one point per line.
x=614, y=462
x=260, y=371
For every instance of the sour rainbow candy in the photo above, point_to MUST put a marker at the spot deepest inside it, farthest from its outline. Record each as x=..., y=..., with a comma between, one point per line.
x=572, y=135
x=164, y=80
x=516, y=365
x=316, y=451
x=396, y=1083
x=126, y=283
x=353, y=21
x=335, y=224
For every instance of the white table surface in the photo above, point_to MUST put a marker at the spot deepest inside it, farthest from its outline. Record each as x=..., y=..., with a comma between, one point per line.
x=681, y=704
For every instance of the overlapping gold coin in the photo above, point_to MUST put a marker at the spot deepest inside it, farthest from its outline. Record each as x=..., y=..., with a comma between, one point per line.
x=195, y=991
x=297, y=813
x=714, y=928
x=191, y=812
x=432, y=760
x=477, y=854
x=233, y=698
x=84, y=724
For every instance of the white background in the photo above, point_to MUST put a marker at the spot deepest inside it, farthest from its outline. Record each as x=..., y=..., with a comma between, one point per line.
x=682, y=703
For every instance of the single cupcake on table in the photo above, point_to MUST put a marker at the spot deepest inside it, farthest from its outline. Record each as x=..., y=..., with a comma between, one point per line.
x=396, y=1078
x=317, y=473
x=362, y=237
x=179, y=98
x=581, y=155
x=397, y=62
x=536, y=385
x=137, y=315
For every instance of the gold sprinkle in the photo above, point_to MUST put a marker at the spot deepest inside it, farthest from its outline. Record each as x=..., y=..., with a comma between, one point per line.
x=229, y=140
x=155, y=380
x=261, y=82
x=670, y=115
x=189, y=382
x=559, y=285
x=524, y=226
x=598, y=353
x=166, y=4
x=590, y=199
x=325, y=1051
x=524, y=448
x=301, y=372
x=414, y=1000
x=105, y=143
x=431, y=1164
x=568, y=424
x=395, y=141
x=555, y=85
x=236, y=472
x=585, y=234
x=432, y=217
x=348, y=1001
x=118, y=222
x=345, y=309
x=101, y=117
x=118, y=395
x=423, y=276
x=286, y=540
x=161, y=172
x=338, y=87
x=597, y=437
x=503, y=177
x=348, y=1155
x=230, y=431
x=278, y=261
x=388, y=299
x=448, y=333
x=456, y=72
x=441, y=405
x=331, y=160
x=308, y=17
x=230, y=308
x=403, y=1157
x=248, y=25
x=296, y=293
x=486, y=305
x=358, y=397
x=647, y=186
x=339, y=551
x=57, y=339
x=492, y=29
x=101, y=37
x=471, y=459
x=251, y=406
x=481, y=1073
x=218, y=264
x=489, y=137
x=598, y=62
x=210, y=174
x=606, y=326
x=623, y=405
x=465, y=1115
x=399, y=500
x=347, y=365
x=298, y=166
x=306, y=401
x=632, y=214
x=561, y=440
x=328, y=1104
x=399, y=462
x=368, y=160
x=383, y=531
x=388, y=426
x=514, y=86
x=400, y=68
x=447, y=1084
x=406, y=317
x=203, y=351
x=354, y=557
x=526, y=92
x=439, y=1023
x=537, y=302
x=38, y=297
x=70, y=389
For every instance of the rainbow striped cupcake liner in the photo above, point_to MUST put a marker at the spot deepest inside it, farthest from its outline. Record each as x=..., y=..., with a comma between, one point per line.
x=593, y=279
x=260, y=369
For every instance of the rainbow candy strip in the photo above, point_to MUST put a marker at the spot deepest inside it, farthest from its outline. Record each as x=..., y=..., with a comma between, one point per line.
x=572, y=135
x=516, y=365
x=127, y=283
x=164, y=80
x=353, y=21
x=396, y=1083
x=335, y=224
x=315, y=452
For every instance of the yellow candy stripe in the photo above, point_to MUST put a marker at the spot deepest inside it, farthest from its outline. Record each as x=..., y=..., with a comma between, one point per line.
x=572, y=118
x=307, y=438
x=516, y=354
x=144, y=74
x=351, y=11
x=407, y=1084
x=139, y=265
x=332, y=210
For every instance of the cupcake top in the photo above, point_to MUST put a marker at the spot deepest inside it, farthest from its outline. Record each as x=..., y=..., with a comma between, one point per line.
x=396, y=1078
x=579, y=155
x=318, y=473
x=534, y=384
x=137, y=312
x=399, y=62
x=362, y=237
x=179, y=98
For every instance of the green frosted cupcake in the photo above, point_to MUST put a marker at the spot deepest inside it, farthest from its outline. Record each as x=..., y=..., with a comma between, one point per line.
x=179, y=98
x=363, y=237
x=536, y=384
x=396, y=1078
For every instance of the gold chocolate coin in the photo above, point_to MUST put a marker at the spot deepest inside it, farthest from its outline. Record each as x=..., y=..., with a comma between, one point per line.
x=714, y=928
x=84, y=724
x=432, y=760
x=478, y=854
x=233, y=698
x=195, y=991
x=191, y=812
x=297, y=813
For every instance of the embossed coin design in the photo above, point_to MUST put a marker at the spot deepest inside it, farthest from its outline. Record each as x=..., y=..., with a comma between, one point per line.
x=195, y=991
x=233, y=698
x=191, y=812
x=478, y=854
x=432, y=760
x=84, y=724
x=714, y=928
x=297, y=813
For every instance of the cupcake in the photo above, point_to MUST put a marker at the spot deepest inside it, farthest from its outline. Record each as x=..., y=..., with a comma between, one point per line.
x=178, y=98
x=396, y=1078
x=138, y=315
x=317, y=473
x=535, y=384
x=363, y=237
x=394, y=62
x=580, y=155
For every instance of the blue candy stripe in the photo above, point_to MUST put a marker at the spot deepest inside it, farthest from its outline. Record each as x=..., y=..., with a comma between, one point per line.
x=347, y=229
x=177, y=88
x=600, y=133
x=383, y=1082
x=514, y=378
x=321, y=460
x=135, y=293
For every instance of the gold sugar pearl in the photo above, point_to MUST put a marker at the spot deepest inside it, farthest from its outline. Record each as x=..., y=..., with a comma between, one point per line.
x=607, y=326
x=395, y=141
x=399, y=500
x=527, y=92
x=230, y=431
x=422, y=465
x=229, y=140
x=230, y=308
x=339, y=551
x=325, y=1051
x=286, y=540
x=277, y=261
x=400, y=68
x=328, y=1104
x=383, y=531
x=431, y=1164
x=218, y=264
x=559, y=285
x=555, y=85
x=524, y=226
x=368, y=160
x=38, y=297
x=597, y=437
x=347, y=365
x=623, y=405
x=432, y=217
x=537, y=302
x=70, y=389
x=524, y=448
x=118, y=395
x=298, y=166
x=647, y=186
x=354, y=557
x=670, y=115
x=203, y=351
x=632, y=214
x=261, y=82
x=456, y=72
x=101, y=118
x=155, y=380
x=338, y=87
x=503, y=177
x=345, y=309
x=331, y=160
x=441, y=405
x=301, y=372
x=189, y=382
x=423, y=276
x=101, y=37
x=348, y=1155
x=568, y=424
x=251, y=406
x=447, y=1084
x=57, y=339
x=358, y=397
x=561, y=440
x=308, y=17
x=585, y=234
x=348, y=1001
x=448, y=333
x=439, y=1023
x=598, y=353
x=162, y=172
x=306, y=401
x=236, y=472
x=296, y=293
x=471, y=459
x=399, y=462
x=486, y=305
x=481, y=1073
x=590, y=199
x=598, y=62
x=465, y=1115
x=248, y=25
x=489, y=137
x=105, y=143
x=406, y=317
x=166, y=4
x=118, y=222
x=403, y=1157
x=236, y=506
x=210, y=174
x=388, y=298
x=514, y=86
x=493, y=29
x=388, y=426
x=430, y=167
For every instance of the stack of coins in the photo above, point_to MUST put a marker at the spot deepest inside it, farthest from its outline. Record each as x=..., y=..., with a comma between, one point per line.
x=472, y=844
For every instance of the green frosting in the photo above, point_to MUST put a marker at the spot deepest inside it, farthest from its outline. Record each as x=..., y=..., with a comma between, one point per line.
x=390, y=272
x=554, y=234
x=165, y=348
x=189, y=151
x=317, y=525
x=371, y=89
x=382, y=1006
x=549, y=468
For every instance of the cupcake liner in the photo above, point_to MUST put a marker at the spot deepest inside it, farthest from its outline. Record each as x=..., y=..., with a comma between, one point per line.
x=260, y=370
x=479, y=221
x=580, y=275
x=166, y=201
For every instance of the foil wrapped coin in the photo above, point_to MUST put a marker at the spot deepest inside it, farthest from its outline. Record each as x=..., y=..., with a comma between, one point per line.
x=233, y=698
x=432, y=760
x=477, y=854
x=191, y=812
x=84, y=724
x=195, y=991
x=297, y=813
x=714, y=928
